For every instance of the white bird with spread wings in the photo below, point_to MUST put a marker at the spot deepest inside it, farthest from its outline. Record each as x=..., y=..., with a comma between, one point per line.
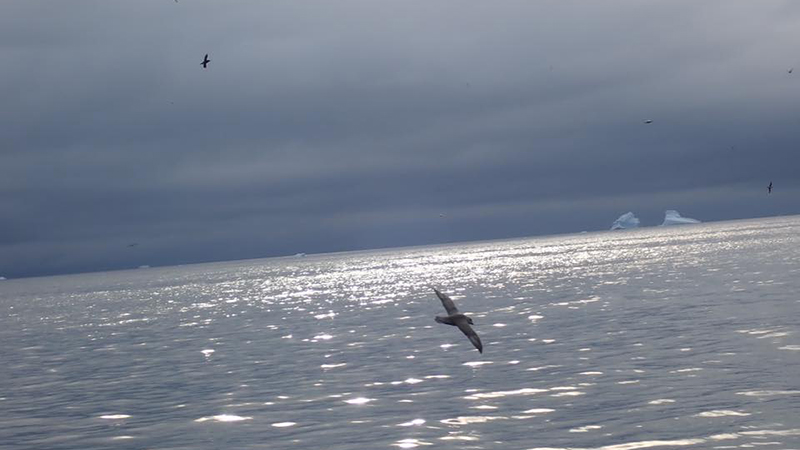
x=458, y=319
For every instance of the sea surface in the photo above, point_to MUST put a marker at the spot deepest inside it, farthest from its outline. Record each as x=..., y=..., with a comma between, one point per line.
x=676, y=337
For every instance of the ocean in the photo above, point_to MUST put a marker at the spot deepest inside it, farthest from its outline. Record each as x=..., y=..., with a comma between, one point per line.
x=663, y=337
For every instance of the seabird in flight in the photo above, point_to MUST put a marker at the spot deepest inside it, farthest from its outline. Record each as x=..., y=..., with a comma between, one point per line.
x=648, y=121
x=205, y=62
x=769, y=188
x=458, y=319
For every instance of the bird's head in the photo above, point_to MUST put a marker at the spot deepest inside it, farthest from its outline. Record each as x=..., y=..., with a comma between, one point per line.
x=469, y=319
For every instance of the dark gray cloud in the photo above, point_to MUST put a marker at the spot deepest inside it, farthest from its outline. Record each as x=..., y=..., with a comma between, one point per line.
x=323, y=126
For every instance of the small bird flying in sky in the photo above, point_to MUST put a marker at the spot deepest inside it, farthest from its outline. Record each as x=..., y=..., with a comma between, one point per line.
x=205, y=62
x=457, y=319
x=648, y=121
x=769, y=188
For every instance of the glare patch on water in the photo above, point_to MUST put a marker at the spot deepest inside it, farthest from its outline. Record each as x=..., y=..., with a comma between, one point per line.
x=498, y=394
x=550, y=366
x=412, y=423
x=632, y=445
x=563, y=388
x=465, y=420
x=722, y=413
x=458, y=437
x=661, y=401
x=224, y=418
x=765, y=333
x=332, y=366
x=793, y=432
x=688, y=442
x=359, y=401
x=690, y=369
x=115, y=416
x=767, y=393
x=724, y=436
x=410, y=443
x=568, y=394
x=585, y=429
x=284, y=424
x=477, y=363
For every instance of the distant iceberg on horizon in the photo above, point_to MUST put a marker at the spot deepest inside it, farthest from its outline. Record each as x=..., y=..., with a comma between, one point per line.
x=672, y=217
x=625, y=221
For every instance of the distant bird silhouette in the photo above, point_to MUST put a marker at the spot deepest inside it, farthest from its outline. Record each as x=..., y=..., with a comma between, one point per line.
x=457, y=319
x=205, y=62
x=133, y=245
x=769, y=188
x=648, y=121
x=791, y=70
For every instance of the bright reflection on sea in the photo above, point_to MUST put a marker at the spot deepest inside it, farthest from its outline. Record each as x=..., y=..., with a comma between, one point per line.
x=679, y=337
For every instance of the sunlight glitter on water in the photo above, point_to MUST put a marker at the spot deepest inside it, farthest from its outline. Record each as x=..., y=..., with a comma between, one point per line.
x=115, y=416
x=284, y=424
x=412, y=423
x=722, y=413
x=410, y=443
x=636, y=332
x=359, y=401
x=224, y=418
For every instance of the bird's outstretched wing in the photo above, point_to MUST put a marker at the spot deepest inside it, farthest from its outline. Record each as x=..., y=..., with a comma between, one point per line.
x=471, y=334
x=447, y=302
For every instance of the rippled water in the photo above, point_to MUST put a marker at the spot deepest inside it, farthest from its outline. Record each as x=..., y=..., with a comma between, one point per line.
x=661, y=337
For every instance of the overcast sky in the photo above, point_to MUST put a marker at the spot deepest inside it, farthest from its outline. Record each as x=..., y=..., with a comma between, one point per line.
x=340, y=125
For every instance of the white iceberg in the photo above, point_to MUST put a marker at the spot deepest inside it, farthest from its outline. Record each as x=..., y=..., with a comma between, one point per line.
x=672, y=217
x=627, y=220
